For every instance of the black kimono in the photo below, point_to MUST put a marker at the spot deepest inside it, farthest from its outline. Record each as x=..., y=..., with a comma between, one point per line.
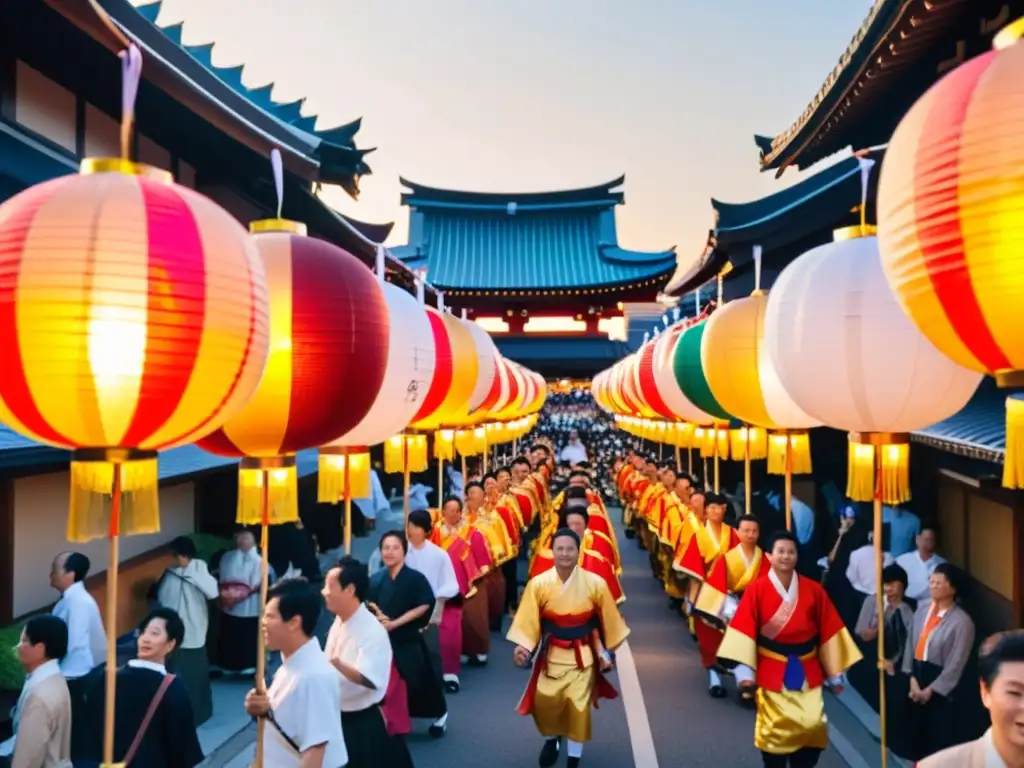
x=170, y=740
x=419, y=668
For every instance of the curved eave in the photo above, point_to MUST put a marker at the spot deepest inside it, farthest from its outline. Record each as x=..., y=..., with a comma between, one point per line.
x=891, y=39
x=978, y=431
x=601, y=194
x=652, y=278
x=828, y=193
x=661, y=260
x=184, y=78
x=692, y=276
x=376, y=233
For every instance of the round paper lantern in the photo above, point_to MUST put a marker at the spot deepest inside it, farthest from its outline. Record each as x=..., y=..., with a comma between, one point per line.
x=690, y=375
x=848, y=355
x=133, y=318
x=648, y=387
x=444, y=371
x=328, y=355
x=465, y=370
x=408, y=375
x=678, y=404
x=486, y=353
x=951, y=221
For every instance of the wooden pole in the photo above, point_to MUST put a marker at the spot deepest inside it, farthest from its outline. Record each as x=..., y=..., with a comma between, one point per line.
x=113, y=564
x=348, y=502
x=440, y=483
x=788, y=501
x=716, y=458
x=679, y=459
x=485, y=453
x=689, y=460
x=881, y=600
x=261, y=642
x=406, y=478
x=746, y=469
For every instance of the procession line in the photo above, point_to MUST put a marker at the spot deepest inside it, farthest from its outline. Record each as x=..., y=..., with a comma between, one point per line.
x=640, y=737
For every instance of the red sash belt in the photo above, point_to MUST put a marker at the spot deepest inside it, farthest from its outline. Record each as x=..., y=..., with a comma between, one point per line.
x=602, y=689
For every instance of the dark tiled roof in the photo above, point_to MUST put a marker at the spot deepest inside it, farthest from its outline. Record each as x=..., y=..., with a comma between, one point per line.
x=978, y=431
x=899, y=50
x=562, y=356
x=19, y=451
x=528, y=241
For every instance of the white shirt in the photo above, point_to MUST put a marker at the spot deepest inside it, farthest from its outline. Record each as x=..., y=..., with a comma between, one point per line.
x=363, y=644
x=34, y=678
x=434, y=563
x=87, y=640
x=861, y=570
x=244, y=568
x=186, y=591
x=992, y=757
x=574, y=453
x=306, y=701
x=376, y=503
x=918, y=573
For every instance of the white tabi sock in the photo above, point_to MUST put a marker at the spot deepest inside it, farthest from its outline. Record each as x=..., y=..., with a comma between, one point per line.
x=714, y=679
x=743, y=674
x=573, y=748
x=481, y=657
x=451, y=678
x=442, y=721
x=464, y=659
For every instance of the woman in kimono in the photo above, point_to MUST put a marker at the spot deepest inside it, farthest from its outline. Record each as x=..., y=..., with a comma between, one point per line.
x=943, y=638
x=899, y=655
x=154, y=725
x=787, y=636
x=403, y=601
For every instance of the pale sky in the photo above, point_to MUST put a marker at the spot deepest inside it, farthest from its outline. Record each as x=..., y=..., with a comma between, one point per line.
x=532, y=95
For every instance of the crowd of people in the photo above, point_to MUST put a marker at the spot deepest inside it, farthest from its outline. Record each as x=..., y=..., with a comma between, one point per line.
x=440, y=589
x=758, y=616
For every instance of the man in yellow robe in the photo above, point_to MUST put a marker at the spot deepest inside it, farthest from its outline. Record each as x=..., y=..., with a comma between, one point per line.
x=482, y=516
x=569, y=623
x=672, y=522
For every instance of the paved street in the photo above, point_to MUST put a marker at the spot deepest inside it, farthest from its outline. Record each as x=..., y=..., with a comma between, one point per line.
x=663, y=716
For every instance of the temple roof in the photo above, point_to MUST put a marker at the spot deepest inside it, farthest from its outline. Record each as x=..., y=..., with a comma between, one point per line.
x=601, y=195
x=900, y=49
x=251, y=115
x=524, y=241
x=978, y=431
x=784, y=217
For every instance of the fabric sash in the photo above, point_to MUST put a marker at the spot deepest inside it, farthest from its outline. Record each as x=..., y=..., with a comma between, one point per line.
x=568, y=632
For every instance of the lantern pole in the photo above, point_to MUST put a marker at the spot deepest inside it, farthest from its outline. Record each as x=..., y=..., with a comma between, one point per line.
x=261, y=643
x=661, y=448
x=113, y=564
x=746, y=468
x=515, y=447
x=689, y=459
x=879, y=589
x=406, y=478
x=679, y=458
x=465, y=479
x=789, y=482
x=485, y=453
x=716, y=455
x=440, y=483
x=348, y=502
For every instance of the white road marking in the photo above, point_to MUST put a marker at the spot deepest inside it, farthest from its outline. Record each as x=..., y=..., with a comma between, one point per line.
x=640, y=737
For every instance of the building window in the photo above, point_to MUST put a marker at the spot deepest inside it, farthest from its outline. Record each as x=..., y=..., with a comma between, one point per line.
x=492, y=324
x=44, y=107
x=102, y=134
x=554, y=325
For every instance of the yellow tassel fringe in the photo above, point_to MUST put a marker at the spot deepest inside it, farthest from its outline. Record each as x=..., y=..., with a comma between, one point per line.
x=282, y=498
x=331, y=477
x=758, y=443
x=414, y=449
x=444, y=444
x=799, y=453
x=92, y=487
x=860, y=476
x=1013, y=461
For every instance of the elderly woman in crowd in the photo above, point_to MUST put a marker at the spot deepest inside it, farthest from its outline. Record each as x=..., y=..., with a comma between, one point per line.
x=943, y=638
